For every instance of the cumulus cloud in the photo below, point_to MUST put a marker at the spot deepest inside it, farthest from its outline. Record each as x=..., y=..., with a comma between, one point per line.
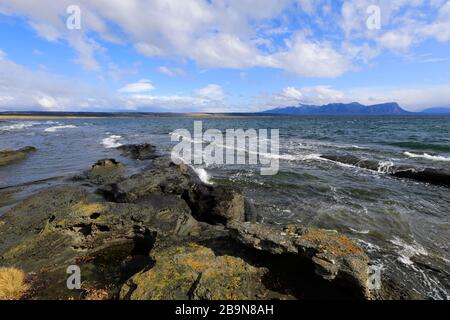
x=212, y=92
x=22, y=88
x=239, y=33
x=213, y=34
x=27, y=89
x=143, y=85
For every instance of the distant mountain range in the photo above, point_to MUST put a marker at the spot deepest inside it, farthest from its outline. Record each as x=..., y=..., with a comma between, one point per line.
x=354, y=108
x=437, y=111
x=333, y=109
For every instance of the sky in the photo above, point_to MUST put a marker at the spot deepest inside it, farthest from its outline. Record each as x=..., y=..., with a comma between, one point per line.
x=222, y=55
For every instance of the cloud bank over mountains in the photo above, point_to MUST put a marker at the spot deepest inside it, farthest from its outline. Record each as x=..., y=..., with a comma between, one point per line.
x=321, y=40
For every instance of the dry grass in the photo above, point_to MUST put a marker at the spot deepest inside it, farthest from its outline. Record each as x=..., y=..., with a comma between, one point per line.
x=12, y=284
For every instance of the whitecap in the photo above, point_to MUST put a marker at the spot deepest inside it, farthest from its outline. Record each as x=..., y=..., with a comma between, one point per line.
x=426, y=156
x=385, y=166
x=360, y=231
x=112, y=142
x=407, y=251
x=57, y=128
x=202, y=175
x=18, y=126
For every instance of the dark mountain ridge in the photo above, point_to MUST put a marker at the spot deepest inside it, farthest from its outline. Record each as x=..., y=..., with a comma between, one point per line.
x=354, y=108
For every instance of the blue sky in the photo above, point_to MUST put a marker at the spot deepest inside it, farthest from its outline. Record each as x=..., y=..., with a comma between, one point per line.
x=222, y=55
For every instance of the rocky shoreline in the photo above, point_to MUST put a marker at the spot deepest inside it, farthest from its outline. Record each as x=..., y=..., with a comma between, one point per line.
x=10, y=156
x=164, y=234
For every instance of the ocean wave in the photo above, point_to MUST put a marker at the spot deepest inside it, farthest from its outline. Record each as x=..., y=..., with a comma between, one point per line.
x=422, y=146
x=426, y=156
x=360, y=231
x=112, y=142
x=407, y=251
x=385, y=166
x=18, y=126
x=202, y=175
x=57, y=128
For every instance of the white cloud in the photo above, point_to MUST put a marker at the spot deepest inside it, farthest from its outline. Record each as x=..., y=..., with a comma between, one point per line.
x=24, y=89
x=175, y=72
x=211, y=92
x=143, y=85
x=216, y=34
x=311, y=59
x=291, y=96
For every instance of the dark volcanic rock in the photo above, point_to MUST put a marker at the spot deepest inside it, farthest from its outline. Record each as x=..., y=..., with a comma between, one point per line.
x=216, y=204
x=194, y=272
x=105, y=171
x=428, y=175
x=335, y=257
x=163, y=234
x=439, y=177
x=139, y=151
x=109, y=241
x=213, y=204
x=11, y=156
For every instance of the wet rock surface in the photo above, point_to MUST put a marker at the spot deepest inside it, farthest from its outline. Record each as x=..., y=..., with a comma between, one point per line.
x=163, y=234
x=439, y=177
x=10, y=156
x=139, y=151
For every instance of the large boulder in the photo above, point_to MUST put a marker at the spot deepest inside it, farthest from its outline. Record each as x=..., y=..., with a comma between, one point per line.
x=212, y=204
x=63, y=226
x=139, y=151
x=11, y=156
x=105, y=171
x=440, y=177
x=335, y=257
x=194, y=272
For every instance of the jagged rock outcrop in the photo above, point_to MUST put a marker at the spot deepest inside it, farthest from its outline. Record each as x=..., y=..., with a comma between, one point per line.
x=11, y=156
x=439, y=177
x=163, y=234
x=335, y=257
x=105, y=171
x=139, y=151
x=194, y=272
x=213, y=204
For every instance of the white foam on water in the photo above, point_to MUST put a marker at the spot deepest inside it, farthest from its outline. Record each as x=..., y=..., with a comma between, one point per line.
x=58, y=128
x=287, y=157
x=426, y=156
x=407, y=251
x=18, y=126
x=202, y=175
x=370, y=247
x=385, y=166
x=360, y=231
x=112, y=142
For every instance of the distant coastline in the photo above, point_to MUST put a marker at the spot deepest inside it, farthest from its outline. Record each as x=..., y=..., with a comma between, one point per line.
x=280, y=112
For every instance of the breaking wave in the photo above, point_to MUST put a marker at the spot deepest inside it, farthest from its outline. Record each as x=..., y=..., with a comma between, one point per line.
x=112, y=142
x=57, y=128
x=426, y=156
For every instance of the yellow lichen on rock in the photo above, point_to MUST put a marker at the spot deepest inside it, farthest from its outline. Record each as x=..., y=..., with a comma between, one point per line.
x=12, y=284
x=195, y=272
x=331, y=242
x=87, y=209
